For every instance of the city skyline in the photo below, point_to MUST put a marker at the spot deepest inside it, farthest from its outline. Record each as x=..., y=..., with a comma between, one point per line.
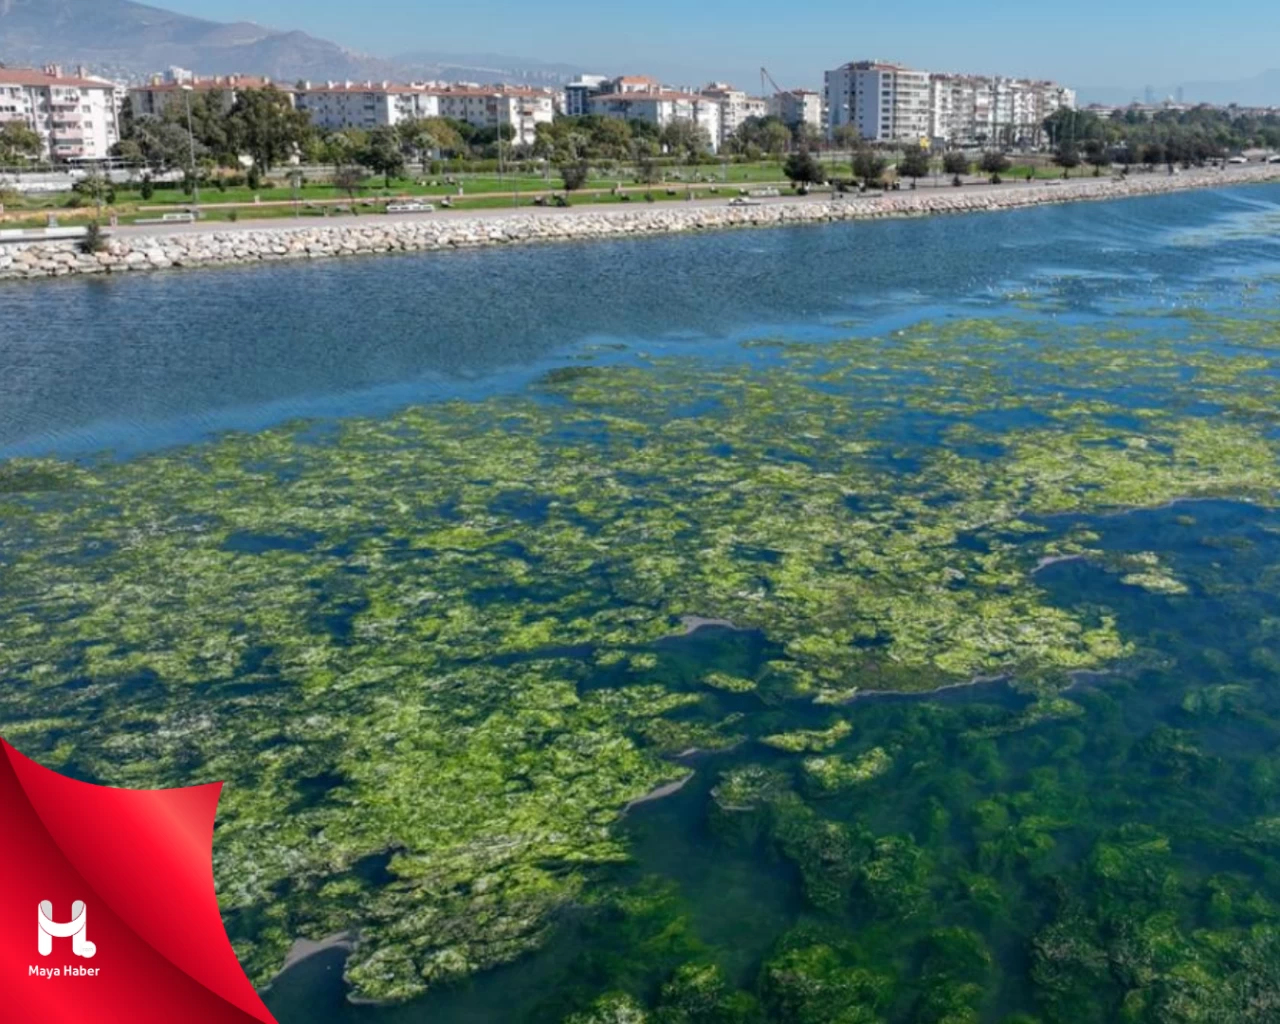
x=1094, y=50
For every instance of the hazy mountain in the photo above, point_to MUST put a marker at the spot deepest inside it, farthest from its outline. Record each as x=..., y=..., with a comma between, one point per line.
x=484, y=67
x=132, y=40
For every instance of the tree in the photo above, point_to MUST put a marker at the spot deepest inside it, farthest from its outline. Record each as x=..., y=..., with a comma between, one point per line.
x=994, y=163
x=802, y=169
x=646, y=165
x=1098, y=155
x=914, y=163
x=868, y=165
x=339, y=149
x=17, y=143
x=687, y=139
x=382, y=154
x=955, y=162
x=774, y=137
x=348, y=180
x=165, y=144
x=263, y=124
x=1067, y=156
x=425, y=136
x=573, y=173
x=846, y=136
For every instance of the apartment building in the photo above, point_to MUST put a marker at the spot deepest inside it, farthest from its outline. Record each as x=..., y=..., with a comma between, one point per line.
x=661, y=107
x=76, y=116
x=578, y=93
x=882, y=102
x=795, y=107
x=975, y=110
x=154, y=97
x=333, y=106
x=735, y=107
x=492, y=106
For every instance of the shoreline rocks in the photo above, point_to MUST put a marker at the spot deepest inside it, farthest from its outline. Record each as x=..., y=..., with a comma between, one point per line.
x=369, y=235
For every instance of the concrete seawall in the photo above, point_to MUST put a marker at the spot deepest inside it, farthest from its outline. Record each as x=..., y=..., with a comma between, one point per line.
x=375, y=234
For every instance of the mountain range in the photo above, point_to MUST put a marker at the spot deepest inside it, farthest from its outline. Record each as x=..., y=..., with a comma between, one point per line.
x=130, y=40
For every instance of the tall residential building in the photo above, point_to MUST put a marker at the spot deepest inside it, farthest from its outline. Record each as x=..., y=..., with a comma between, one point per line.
x=977, y=110
x=661, y=107
x=882, y=102
x=795, y=107
x=76, y=116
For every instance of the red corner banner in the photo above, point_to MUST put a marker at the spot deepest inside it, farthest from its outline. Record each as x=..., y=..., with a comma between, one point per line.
x=107, y=907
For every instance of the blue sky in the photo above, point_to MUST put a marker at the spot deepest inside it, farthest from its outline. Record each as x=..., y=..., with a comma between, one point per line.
x=1079, y=42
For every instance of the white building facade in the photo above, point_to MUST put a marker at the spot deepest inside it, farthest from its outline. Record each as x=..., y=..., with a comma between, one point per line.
x=661, y=108
x=885, y=103
x=796, y=107
x=494, y=106
x=335, y=106
x=735, y=105
x=976, y=110
x=77, y=117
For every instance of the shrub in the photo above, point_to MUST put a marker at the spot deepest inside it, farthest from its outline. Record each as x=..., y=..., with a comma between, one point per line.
x=148, y=188
x=233, y=214
x=92, y=242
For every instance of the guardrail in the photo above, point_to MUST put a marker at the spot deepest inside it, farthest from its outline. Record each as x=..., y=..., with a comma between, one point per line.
x=11, y=235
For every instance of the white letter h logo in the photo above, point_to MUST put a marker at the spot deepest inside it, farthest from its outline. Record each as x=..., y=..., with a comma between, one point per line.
x=80, y=945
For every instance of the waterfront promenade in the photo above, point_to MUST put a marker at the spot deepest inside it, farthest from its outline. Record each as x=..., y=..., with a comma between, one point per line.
x=159, y=247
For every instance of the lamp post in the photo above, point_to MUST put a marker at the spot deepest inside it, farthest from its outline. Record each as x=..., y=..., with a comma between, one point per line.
x=191, y=134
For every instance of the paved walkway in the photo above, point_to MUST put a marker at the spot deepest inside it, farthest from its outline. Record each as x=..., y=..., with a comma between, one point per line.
x=498, y=212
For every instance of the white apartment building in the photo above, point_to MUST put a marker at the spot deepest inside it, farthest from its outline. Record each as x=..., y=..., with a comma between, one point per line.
x=153, y=98
x=578, y=93
x=756, y=106
x=492, y=106
x=735, y=107
x=974, y=110
x=796, y=107
x=661, y=107
x=333, y=106
x=76, y=116
x=883, y=102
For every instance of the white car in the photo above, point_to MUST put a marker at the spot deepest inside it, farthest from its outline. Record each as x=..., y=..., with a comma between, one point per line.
x=410, y=207
x=1274, y=159
x=742, y=201
x=1237, y=160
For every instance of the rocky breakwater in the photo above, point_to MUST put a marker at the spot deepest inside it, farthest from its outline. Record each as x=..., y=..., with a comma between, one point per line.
x=133, y=252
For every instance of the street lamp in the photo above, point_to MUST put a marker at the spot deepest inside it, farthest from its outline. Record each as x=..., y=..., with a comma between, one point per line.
x=191, y=134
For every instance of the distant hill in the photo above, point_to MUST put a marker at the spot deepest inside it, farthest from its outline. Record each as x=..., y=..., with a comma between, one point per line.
x=130, y=40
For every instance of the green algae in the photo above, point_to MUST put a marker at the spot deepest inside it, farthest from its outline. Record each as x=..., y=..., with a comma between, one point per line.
x=427, y=652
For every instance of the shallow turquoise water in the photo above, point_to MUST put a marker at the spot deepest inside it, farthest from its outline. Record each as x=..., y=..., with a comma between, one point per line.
x=1078, y=866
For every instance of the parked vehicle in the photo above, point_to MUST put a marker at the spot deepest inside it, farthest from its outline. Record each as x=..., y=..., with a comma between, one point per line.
x=1274, y=158
x=743, y=201
x=410, y=207
x=1237, y=159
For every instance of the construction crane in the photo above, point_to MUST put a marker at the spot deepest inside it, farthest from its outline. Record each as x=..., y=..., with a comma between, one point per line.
x=766, y=77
